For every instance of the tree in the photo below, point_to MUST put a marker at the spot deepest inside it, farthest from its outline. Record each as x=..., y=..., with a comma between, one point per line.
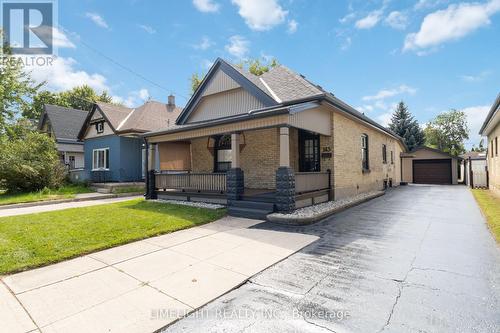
x=16, y=88
x=196, y=81
x=447, y=132
x=82, y=98
x=403, y=124
x=30, y=163
x=256, y=67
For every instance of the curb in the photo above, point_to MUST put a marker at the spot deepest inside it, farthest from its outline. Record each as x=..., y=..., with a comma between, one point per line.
x=319, y=216
x=51, y=202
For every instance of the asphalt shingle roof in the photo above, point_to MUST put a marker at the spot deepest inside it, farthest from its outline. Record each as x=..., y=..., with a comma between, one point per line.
x=66, y=122
x=150, y=116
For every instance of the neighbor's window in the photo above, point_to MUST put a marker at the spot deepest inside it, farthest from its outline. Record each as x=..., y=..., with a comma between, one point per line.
x=491, y=147
x=496, y=146
x=99, y=127
x=392, y=157
x=364, y=152
x=384, y=154
x=223, y=153
x=100, y=159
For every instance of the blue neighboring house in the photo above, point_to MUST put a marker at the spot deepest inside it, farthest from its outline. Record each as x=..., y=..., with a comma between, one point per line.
x=113, y=143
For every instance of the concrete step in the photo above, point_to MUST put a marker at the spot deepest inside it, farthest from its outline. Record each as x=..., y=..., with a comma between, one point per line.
x=267, y=206
x=250, y=213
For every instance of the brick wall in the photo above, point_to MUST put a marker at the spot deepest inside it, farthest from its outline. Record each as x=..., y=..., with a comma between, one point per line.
x=348, y=174
x=260, y=158
x=201, y=158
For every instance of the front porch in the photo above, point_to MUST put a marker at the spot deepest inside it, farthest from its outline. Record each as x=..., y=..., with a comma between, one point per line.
x=254, y=172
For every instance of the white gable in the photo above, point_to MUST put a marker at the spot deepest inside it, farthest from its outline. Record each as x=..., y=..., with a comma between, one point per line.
x=220, y=82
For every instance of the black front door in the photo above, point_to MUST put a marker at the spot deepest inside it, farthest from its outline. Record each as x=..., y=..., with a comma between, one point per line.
x=309, y=157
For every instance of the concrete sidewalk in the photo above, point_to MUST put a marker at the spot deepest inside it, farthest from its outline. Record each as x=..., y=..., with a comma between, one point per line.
x=63, y=205
x=145, y=285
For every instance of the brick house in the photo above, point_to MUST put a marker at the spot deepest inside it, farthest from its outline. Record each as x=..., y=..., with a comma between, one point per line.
x=491, y=129
x=266, y=143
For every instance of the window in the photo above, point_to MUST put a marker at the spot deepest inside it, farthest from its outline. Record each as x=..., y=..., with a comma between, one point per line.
x=491, y=147
x=222, y=153
x=392, y=157
x=364, y=152
x=384, y=154
x=309, y=155
x=100, y=159
x=496, y=146
x=99, y=127
x=71, y=160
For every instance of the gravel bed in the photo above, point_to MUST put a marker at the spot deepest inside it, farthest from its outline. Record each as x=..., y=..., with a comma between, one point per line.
x=324, y=208
x=192, y=204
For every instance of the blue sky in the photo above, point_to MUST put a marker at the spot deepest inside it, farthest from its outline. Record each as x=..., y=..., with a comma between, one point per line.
x=433, y=54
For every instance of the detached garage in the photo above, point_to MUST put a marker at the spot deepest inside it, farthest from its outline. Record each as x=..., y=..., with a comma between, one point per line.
x=426, y=165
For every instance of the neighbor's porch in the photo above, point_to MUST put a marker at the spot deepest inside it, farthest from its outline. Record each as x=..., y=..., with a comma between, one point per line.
x=286, y=166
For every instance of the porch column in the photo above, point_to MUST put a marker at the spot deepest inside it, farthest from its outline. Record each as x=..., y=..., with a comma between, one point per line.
x=235, y=150
x=285, y=176
x=235, y=181
x=284, y=147
x=150, y=177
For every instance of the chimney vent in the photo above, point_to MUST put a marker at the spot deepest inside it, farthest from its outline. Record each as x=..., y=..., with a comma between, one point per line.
x=171, y=100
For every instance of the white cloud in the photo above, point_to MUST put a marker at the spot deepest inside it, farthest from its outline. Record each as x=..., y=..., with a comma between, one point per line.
x=370, y=20
x=97, y=19
x=397, y=20
x=387, y=93
x=347, y=18
x=475, y=118
x=452, y=23
x=292, y=26
x=149, y=29
x=385, y=118
x=206, y=6
x=204, y=44
x=346, y=44
x=475, y=78
x=238, y=46
x=426, y=4
x=133, y=99
x=59, y=38
x=261, y=15
x=62, y=75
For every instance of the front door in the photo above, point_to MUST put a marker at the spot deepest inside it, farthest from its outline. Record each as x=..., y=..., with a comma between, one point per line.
x=309, y=156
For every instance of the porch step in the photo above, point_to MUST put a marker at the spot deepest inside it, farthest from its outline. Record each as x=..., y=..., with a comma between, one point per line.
x=260, y=205
x=250, y=213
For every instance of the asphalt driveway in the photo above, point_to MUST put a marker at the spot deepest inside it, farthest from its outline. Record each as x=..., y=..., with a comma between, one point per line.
x=419, y=259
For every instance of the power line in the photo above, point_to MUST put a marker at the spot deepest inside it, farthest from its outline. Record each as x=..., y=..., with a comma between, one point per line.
x=128, y=69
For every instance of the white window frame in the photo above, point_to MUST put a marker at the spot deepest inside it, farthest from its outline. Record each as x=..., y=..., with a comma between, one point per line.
x=94, y=160
x=100, y=127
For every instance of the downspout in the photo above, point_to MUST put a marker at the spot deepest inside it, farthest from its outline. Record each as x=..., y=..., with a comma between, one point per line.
x=146, y=173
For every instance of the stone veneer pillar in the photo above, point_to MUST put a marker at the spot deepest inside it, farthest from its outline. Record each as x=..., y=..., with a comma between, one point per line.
x=235, y=184
x=285, y=189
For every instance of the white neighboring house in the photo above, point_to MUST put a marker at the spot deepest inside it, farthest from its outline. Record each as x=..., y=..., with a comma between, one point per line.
x=64, y=124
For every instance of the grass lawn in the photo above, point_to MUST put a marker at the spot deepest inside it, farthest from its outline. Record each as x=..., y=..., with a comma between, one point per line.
x=130, y=189
x=65, y=192
x=490, y=205
x=28, y=241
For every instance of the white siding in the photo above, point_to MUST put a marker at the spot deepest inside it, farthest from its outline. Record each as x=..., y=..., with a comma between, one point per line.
x=220, y=82
x=228, y=103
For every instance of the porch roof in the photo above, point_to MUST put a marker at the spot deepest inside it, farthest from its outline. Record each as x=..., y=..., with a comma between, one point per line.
x=290, y=113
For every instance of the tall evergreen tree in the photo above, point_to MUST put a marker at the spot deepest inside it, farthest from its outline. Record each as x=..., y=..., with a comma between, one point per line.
x=407, y=127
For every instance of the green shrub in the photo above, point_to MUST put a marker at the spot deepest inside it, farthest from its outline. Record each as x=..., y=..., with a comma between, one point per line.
x=30, y=163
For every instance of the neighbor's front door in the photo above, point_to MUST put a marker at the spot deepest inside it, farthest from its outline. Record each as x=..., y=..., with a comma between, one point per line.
x=309, y=155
